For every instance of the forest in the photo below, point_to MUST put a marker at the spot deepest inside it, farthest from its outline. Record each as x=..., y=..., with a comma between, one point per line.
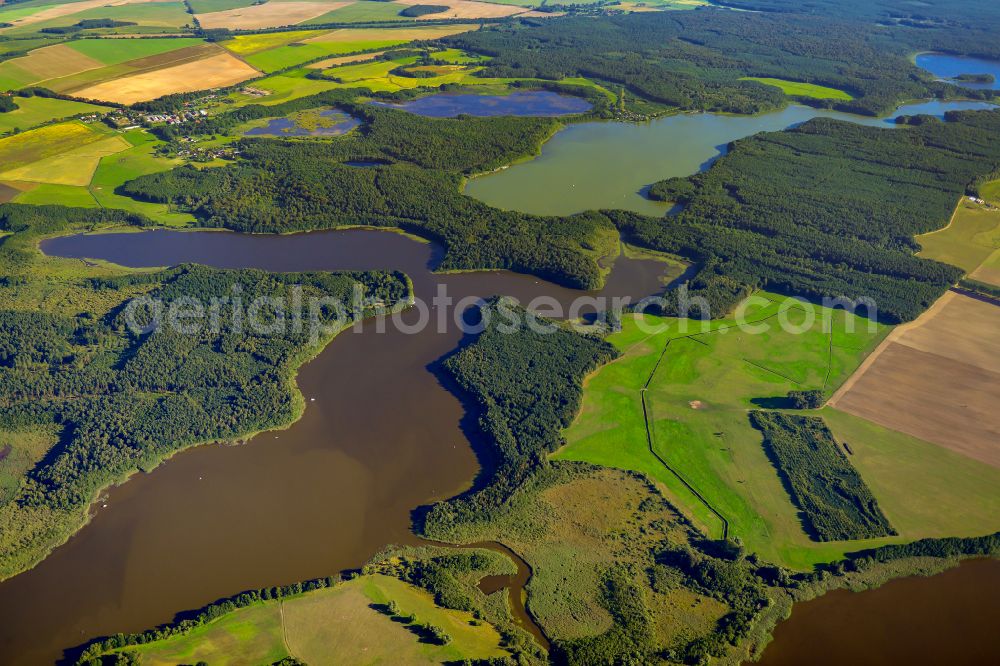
x=826, y=209
x=126, y=390
x=526, y=387
x=695, y=60
x=835, y=501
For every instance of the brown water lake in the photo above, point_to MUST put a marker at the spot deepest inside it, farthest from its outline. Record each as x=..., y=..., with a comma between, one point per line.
x=382, y=438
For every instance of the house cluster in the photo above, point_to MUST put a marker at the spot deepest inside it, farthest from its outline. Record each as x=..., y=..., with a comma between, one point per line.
x=174, y=118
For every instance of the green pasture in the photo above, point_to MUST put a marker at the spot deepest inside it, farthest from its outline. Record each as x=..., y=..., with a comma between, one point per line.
x=295, y=54
x=34, y=111
x=799, y=89
x=698, y=399
x=331, y=625
x=991, y=192
x=209, y=6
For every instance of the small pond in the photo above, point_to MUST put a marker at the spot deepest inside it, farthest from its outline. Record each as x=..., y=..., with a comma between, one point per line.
x=947, y=67
x=526, y=103
x=322, y=122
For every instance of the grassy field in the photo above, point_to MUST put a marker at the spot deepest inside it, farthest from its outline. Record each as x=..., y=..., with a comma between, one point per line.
x=249, y=44
x=333, y=625
x=968, y=241
x=957, y=495
x=699, y=396
x=991, y=192
x=27, y=148
x=34, y=111
x=799, y=89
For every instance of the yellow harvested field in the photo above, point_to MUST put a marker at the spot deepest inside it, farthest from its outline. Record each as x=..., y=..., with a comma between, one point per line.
x=68, y=9
x=936, y=378
x=344, y=60
x=268, y=15
x=467, y=9
x=72, y=167
x=55, y=61
x=408, y=34
x=214, y=72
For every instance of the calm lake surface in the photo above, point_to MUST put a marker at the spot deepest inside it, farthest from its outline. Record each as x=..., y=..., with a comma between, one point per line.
x=527, y=103
x=950, y=618
x=332, y=123
x=948, y=67
x=596, y=165
x=382, y=437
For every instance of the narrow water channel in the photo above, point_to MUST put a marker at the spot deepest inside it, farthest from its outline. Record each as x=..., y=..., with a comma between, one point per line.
x=382, y=437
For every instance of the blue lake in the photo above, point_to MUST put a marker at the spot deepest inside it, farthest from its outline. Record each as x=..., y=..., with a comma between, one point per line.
x=527, y=103
x=947, y=67
x=332, y=123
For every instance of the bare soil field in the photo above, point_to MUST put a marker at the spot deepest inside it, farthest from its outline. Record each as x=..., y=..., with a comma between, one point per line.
x=212, y=72
x=937, y=378
x=268, y=15
x=468, y=9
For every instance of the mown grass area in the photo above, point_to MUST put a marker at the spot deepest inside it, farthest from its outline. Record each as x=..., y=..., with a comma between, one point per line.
x=342, y=624
x=699, y=397
x=34, y=111
x=800, y=89
x=970, y=239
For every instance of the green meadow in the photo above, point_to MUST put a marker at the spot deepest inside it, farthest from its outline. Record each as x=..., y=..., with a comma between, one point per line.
x=799, y=89
x=701, y=384
x=35, y=111
x=331, y=625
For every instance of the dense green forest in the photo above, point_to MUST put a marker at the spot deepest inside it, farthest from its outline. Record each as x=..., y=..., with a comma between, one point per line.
x=826, y=209
x=958, y=26
x=835, y=501
x=695, y=60
x=128, y=387
x=526, y=385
